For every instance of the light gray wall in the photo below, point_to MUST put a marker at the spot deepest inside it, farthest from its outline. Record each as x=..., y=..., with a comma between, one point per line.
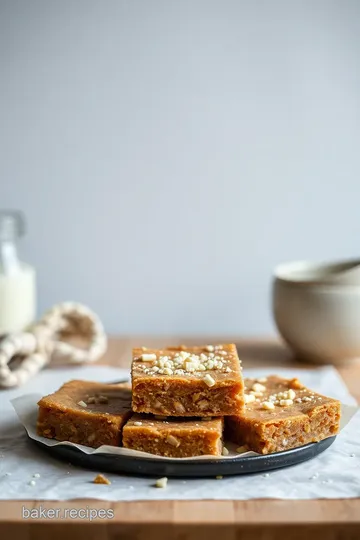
x=169, y=153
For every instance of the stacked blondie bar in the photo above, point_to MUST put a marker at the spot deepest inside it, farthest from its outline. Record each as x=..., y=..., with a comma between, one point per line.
x=183, y=401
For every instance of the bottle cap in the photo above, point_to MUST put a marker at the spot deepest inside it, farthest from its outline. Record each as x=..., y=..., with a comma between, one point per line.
x=12, y=225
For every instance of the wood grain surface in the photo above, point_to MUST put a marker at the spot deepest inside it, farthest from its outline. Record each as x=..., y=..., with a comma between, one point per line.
x=208, y=520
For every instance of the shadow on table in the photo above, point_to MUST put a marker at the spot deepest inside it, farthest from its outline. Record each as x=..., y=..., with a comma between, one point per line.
x=263, y=354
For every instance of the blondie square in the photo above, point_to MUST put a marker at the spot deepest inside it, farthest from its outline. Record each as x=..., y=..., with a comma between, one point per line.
x=174, y=437
x=87, y=413
x=187, y=381
x=281, y=414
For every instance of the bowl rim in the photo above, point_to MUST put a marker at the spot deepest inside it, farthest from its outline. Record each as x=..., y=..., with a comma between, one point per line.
x=308, y=272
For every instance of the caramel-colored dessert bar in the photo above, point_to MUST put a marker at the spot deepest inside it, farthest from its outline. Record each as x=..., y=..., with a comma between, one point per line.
x=187, y=381
x=281, y=414
x=174, y=437
x=87, y=413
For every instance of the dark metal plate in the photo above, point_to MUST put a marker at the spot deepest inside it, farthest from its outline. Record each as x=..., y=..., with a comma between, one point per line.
x=190, y=467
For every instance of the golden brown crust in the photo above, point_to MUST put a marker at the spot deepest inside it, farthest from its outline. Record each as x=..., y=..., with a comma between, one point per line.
x=174, y=437
x=310, y=417
x=206, y=383
x=87, y=413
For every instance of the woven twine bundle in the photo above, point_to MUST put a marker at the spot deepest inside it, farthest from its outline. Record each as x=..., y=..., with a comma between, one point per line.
x=45, y=342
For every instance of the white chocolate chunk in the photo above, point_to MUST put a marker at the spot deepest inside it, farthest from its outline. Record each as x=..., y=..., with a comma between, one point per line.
x=209, y=380
x=161, y=482
x=256, y=394
x=285, y=402
x=291, y=394
x=268, y=405
x=257, y=387
x=190, y=366
x=148, y=357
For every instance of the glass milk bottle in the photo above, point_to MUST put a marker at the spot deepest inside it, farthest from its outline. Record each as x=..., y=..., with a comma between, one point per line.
x=17, y=279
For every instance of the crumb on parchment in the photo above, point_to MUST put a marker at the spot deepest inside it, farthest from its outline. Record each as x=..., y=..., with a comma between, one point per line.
x=101, y=479
x=161, y=482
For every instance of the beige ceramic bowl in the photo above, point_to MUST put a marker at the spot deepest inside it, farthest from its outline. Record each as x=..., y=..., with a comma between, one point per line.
x=316, y=313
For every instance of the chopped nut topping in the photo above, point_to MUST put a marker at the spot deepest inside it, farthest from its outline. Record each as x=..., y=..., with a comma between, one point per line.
x=256, y=394
x=225, y=451
x=191, y=366
x=161, y=482
x=209, y=380
x=262, y=379
x=203, y=404
x=179, y=407
x=91, y=438
x=137, y=423
x=209, y=348
x=256, y=387
x=184, y=363
x=249, y=398
x=101, y=479
x=283, y=399
x=97, y=399
x=242, y=449
x=268, y=405
x=82, y=403
x=286, y=402
x=148, y=357
x=173, y=441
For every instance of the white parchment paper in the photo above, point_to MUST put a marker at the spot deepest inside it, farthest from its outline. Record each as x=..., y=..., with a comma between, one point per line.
x=26, y=472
